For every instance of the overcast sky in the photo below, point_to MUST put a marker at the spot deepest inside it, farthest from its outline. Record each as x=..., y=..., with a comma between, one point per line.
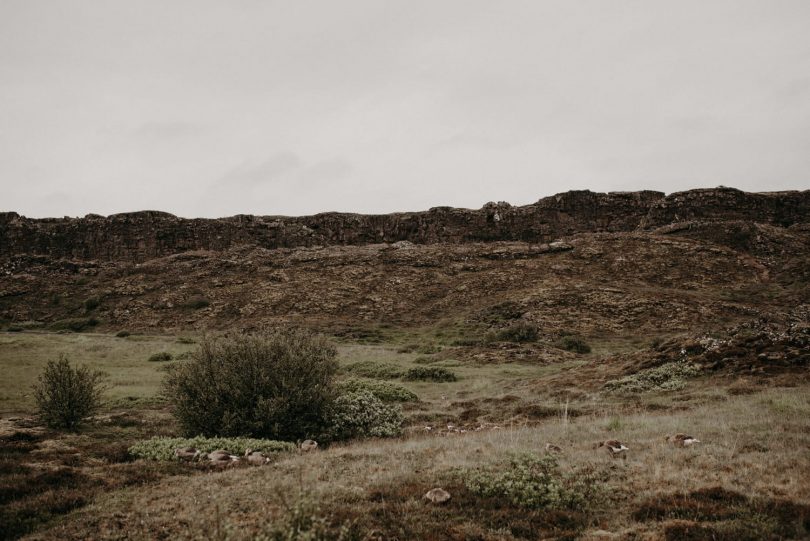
x=215, y=108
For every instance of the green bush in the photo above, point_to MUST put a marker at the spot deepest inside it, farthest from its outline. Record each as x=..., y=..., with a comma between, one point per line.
x=667, y=377
x=91, y=304
x=574, y=343
x=276, y=385
x=430, y=373
x=160, y=357
x=360, y=414
x=14, y=328
x=75, y=324
x=163, y=448
x=518, y=332
x=384, y=390
x=536, y=482
x=374, y=369
x=65, y=395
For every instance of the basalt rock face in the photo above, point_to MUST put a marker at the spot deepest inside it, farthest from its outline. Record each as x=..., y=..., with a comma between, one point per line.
x=140, y=236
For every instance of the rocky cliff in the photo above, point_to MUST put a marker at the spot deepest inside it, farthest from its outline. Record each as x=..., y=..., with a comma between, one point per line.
x=140, y=236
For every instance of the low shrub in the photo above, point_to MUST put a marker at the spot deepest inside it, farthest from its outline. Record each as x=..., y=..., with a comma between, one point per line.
x=574, y=343
x=421, y=349
x=91, y=304
x=65, y=395
x=161, y=356
x=75, y=324
x=430, y=373
x=536, y=482
x=160, y=448
x=186, y=340
x=384, y=390
x=667, y=377
x=196, y=303
x=14, y=328
x=374, y=369
x=122, y=334
x=425, y=360
x=360, y=414
x=519, y=332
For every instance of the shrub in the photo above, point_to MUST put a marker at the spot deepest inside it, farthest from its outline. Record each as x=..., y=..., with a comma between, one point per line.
x=75, y=324
x=196, y=303
x=535, y=482
x=667, y=377
x=421, y=349
x=361, y=414
x=430, y=373
x=275, y=385
x=160, y=357
x=374, y=369
x=574, y=343
x=66, y=395
x=91, y=304
x=14, y=328
x=518, y=332
x=163, y=448
x=385, y=391
x=122, y=334
x=186, y=340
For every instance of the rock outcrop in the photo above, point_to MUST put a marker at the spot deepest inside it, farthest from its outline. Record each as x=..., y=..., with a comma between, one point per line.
x=139, y=236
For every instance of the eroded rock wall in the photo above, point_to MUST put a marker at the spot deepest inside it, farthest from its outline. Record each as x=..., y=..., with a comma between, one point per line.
x=139, y=236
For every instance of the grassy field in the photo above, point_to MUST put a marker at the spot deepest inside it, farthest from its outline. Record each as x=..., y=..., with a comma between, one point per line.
x=746, y=480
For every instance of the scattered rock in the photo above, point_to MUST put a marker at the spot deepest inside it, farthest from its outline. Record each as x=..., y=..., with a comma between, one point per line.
x=437, y=495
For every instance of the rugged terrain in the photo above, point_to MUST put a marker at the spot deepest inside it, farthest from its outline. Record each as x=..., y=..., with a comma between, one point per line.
x=718, y=280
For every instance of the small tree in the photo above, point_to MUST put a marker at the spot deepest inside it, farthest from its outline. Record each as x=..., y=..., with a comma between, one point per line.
x=66, y=395
x=276, y=385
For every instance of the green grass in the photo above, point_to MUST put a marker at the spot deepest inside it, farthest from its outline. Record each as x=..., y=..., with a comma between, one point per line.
x=131, y=378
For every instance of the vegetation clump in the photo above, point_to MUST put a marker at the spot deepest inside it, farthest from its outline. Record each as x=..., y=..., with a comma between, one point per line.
x=374, y=369
x=574, y=343
x=360, y=414
x=384, y=390
x=65, y=395
x=197, y=302
x=75, y=324
x=122, y=334
x=430, y=373
x=667, y=377
x=160, y=448
x=536, y=482
x=161, y=356
x=276, y=385
x=519, y=332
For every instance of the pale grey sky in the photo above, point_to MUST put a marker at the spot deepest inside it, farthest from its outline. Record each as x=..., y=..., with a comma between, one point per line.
x=213, y=108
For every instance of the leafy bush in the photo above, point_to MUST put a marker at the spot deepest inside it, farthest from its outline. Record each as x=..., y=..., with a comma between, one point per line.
x=160, y=357
x=66, y=395
x=430, y=373
x=521, y=331
x=535, y=482
x=574, y=343
x=163, y=448
x=122, y=334
x=385, y=391
x=276, y=385
x=75, y=324
x=361, y=414
x=667, y=377
x=14, y=328
x=374, y=369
